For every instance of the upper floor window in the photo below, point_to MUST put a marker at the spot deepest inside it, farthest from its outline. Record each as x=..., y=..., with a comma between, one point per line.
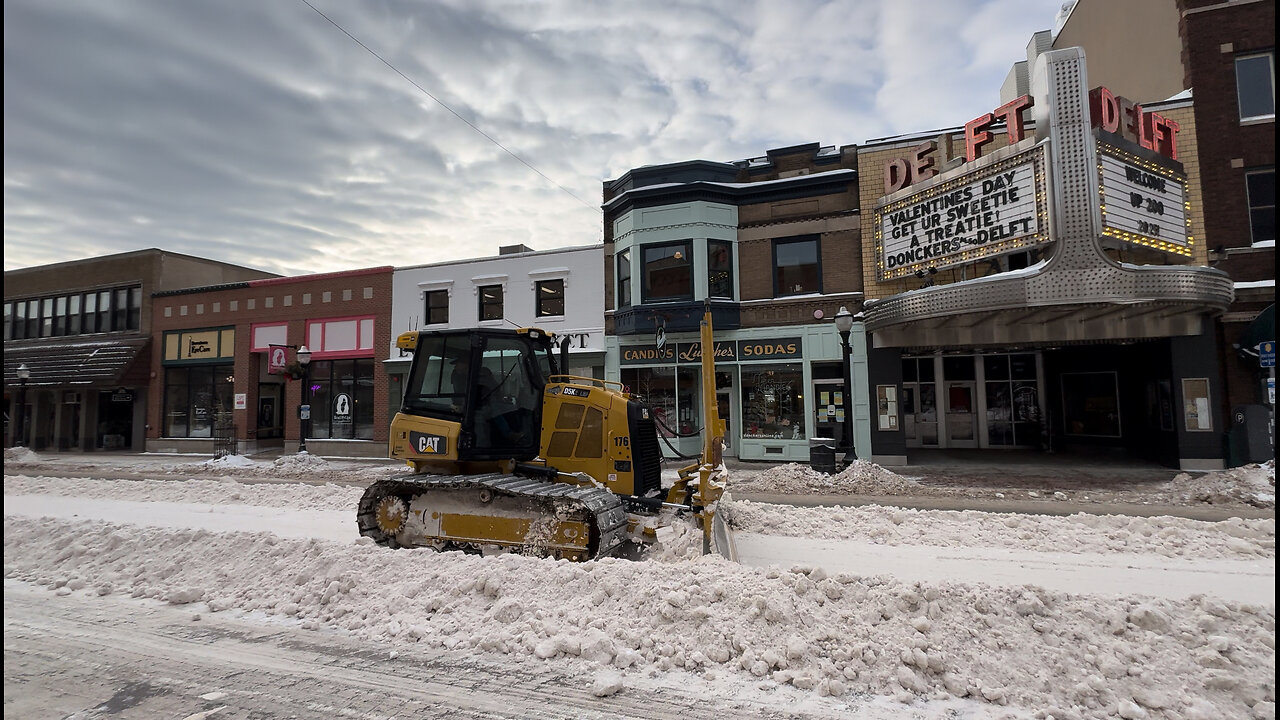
x=624, y=278
x=1261, y=186
x=719, y=269
x=668, y=272
x=491, y=302
x=114, y=310
x=550, y=301
x=1256, y=86
x=436, y=310
x=797, y=267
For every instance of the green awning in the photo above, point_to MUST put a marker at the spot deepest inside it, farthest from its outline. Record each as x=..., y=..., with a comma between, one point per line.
x=1262, y=328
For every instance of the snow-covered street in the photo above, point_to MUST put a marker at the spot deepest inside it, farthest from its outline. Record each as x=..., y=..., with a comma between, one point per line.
x=834, y=612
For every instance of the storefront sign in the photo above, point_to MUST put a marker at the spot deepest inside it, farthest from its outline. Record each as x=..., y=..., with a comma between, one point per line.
x=646, y=355
x=780, y=349
x=1115, y=114
x=994, y=210
x=198, y=346
x=342, y=408
x=692, y=352
x=1142, y=203
x=121, y=396
x=727, y=351
x=922, y=163
x=277, y=359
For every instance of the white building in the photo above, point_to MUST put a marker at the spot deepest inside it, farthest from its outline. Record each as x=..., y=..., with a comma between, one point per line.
x=560, y=291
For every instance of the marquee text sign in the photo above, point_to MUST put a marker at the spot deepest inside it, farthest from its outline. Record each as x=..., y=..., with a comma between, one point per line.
x=1143, y=203
x=728, y=351
x=997, y=209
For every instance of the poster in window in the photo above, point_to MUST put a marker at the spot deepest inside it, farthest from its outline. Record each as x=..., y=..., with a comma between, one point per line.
x=887, y=406
x=1195, y=404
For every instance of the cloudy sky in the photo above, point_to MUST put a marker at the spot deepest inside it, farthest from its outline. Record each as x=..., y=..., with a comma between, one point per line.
x=259, y=133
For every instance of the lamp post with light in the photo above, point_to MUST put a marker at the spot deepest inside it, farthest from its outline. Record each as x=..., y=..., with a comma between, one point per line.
x=24, y=374
x=304, y=414
x=844, y=324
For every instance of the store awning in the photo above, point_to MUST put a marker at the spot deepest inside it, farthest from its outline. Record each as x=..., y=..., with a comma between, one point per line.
x=1262, y=328
x=100, y=363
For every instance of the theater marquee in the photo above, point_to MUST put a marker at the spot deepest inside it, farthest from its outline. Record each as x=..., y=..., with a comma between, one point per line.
x=999, y=208
x=1143, y=203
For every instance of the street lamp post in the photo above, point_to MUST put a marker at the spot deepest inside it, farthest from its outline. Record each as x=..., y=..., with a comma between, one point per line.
x=24, y=374
x=304, y=359
x=844, y=324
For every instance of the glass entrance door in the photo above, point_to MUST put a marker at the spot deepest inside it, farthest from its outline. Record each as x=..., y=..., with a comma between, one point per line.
x=724, y=407
x=962, y=426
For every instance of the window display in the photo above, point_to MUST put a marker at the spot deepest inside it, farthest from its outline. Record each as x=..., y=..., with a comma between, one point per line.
x=672, y=396
x=195, y=398
x=341, y=399
x=773, y=401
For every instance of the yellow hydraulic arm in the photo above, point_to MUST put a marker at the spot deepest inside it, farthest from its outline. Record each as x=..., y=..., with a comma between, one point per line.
x=710, y=470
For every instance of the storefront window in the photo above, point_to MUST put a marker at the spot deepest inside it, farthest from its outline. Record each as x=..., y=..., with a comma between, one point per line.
x=773, y=401
x=341, y=398
x=919, y=401
x=673, y=396
x=196, y=398
x=655, y=387
x=1013, y=400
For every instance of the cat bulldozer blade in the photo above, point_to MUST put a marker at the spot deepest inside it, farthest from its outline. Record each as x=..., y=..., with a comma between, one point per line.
x=508, y=452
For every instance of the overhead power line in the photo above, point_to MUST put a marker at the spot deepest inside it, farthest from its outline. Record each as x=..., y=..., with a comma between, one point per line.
x=442, y=104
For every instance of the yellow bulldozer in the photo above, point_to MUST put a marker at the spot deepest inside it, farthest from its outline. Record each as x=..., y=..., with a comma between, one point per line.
x=509, y=452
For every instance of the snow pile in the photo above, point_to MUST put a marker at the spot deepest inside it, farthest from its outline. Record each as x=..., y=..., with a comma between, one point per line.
x=302, y=462
x=1250, y=484
x=230, y=461
x=1080, y=533
x=1056, y=654
x=194, y=490
x=862, y=477
x=20, y=455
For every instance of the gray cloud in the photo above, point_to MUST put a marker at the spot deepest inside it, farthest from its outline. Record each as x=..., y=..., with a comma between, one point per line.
x=259, y=134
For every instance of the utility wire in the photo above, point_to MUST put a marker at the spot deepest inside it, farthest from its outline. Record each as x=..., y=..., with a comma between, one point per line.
x=446, y=107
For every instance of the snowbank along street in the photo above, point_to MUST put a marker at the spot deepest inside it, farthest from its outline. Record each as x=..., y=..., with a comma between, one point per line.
x=871, y=611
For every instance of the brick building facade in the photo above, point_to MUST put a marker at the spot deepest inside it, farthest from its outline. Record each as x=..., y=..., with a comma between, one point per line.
x=771, y=243
x=1229, y=62
x=82, y=329
x=225, y=363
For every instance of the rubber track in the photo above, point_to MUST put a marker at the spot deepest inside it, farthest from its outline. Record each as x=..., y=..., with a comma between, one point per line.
x=606, y=510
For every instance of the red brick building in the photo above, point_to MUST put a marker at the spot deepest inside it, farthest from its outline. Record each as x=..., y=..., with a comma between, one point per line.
x=226, y=365
x=1229, y=60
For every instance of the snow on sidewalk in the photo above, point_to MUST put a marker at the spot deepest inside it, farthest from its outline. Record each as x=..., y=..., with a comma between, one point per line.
x=1106, y=574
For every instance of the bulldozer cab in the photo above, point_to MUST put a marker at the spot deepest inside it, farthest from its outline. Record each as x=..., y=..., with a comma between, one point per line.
x=489, y=382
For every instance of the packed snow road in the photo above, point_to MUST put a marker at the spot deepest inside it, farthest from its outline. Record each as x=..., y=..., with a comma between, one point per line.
x=78, y=657
x=194, y=598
